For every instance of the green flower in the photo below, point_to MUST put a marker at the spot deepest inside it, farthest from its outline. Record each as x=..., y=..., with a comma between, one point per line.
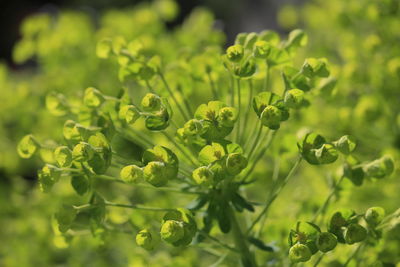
x=261, y=49
x=57, y=104
x=299, y=253
x=374, y=216
x=48, y=176
x=151, y=102
x=129, y=113
x=235, y=163
x=235, y=53
x=172, y=231
x=326, y=242
x=93, y=98
x=294, y=98
x=28, y=146
x=145, y=239
x=227, y=116
x=354, y=233
x=203, y=176
x=271, y=117
x=83, y=152
x=131, y=174
x=63, y=156
x=155, y=173
x=193, y=127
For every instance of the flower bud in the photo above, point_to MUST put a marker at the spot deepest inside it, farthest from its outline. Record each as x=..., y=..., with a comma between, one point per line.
x=151, y=102
x=379, y=168
x=131, y=174
x=63, y=156
x=345, y=144
x=203, y=175
x=374, y=216
x=246, y=69
x=57, y=104
x=271, y=117
x=93, y=98
x=235, y=53
x=27, y=147
x=294, y=98
x=299, y=253
x=326, y=242
x=262, y=49
x=193, y=127
x=235, y=163
x=145, y=240
x=172, y=231
x=129, y=113
x=227, y=116
x=155, y=173
x=82, y=152
x=315, y=66
x=355, y=233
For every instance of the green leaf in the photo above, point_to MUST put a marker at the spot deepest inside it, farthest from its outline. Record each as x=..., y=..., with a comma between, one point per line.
x=81, y=184
x=260, y=244
x=223, y=217
x=241, y=202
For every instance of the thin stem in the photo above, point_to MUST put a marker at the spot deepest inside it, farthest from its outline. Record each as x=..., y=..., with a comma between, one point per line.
x=151, y=90
x=256, y=141
x=185, y=101
x=232, y=90
x=137, y=207
x=239, y=111
x=212, y=85
x=249, y=106
x=353, y=255
x=216, y=240
x=317, y=262
x=180, y=148
x=184, y=114
x=322, y=209
x=267, y=75
x=275, y=194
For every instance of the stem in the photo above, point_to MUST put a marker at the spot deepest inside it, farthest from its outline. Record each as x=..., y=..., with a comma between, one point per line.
x=187, y=156
x=151, y=90
x=249, y=106
x=137, y=207
x=324, y=206
x=241, y=241
x=255, y=141
x=218, y=241
x=353, y=255
x=317, y=262
x=239, y=111
x=185, y=116
x=267, y=74
x=212, y=86
x=275, y=194
x=185, y=101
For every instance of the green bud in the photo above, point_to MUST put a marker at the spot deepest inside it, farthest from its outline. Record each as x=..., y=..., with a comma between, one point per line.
x=379, y=168
x=48, y=176
x=82, y=152
x=129, y=113
x=93, y=98
x=246, y=69
x=354, y=233
x=326, y=154
x=57, y=104
x=294, y=98
x=227, y=116
x=151, y=102
x=27, y=147
x=262, y=49
x=172, y=231
x=374, y=216
x=193, y=127
x=155, y=173
x=63, y=156
x=299, y=253
x=340, y=218
x=145, y=240
x=326, y=242
x=131, y=174
x=314, y=66
x=203, y=176
x=345, y=144
x=235, y=53
x=271, y=117
x=235, y=163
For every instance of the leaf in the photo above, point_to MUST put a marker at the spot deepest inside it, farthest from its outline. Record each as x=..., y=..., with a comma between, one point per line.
x=80, y=184
x=234, y=148
x=260, y=244
x=239, y=200
x=223, y=217
x=198, y=203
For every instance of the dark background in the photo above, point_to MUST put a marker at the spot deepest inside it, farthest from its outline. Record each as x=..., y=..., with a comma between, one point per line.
x=233, y=15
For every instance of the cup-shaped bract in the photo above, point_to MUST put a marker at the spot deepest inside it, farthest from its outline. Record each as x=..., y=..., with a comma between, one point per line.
x=48, y=176
x=93, y=98
x=131, y=174
x=28, y=146
x=245, y=69
x=227, y=116
x=203, y=176
x=155, y=173
x=82, y=152
x=326, y=154
x=355, y=233
x=193, y=127
x=379, y=168
x=185, y=217
x=271, y=117
x=261, y=49
x=294, y=98
x=235, y=163
x=151, y=102
x=326, y=242
x=63, y=156
x=374, y=216
x=299, y=253
x=145, y=239
x=57, y=104
x=315, y=67
x=346, y=144
x=172, y=231
x=129, y=113
x=235, y=53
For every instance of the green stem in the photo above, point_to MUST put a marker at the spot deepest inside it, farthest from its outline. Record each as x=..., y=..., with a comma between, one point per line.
x=318, y=261
x=240, y=241
x=184, y=114
x=151, y=90
x=212, y=86
x=249, y=107
x=256, y=141
x=353, y=255
x=239, y=111
x=216, y=240
x=275, y=194
x=180, y=148
x=137, y=207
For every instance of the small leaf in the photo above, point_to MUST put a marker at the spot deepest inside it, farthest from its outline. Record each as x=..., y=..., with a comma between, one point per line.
x=81, y=184
x=260, y=244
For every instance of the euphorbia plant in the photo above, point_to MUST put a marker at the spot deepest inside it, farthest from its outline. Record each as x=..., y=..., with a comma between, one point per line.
x=199, y=126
